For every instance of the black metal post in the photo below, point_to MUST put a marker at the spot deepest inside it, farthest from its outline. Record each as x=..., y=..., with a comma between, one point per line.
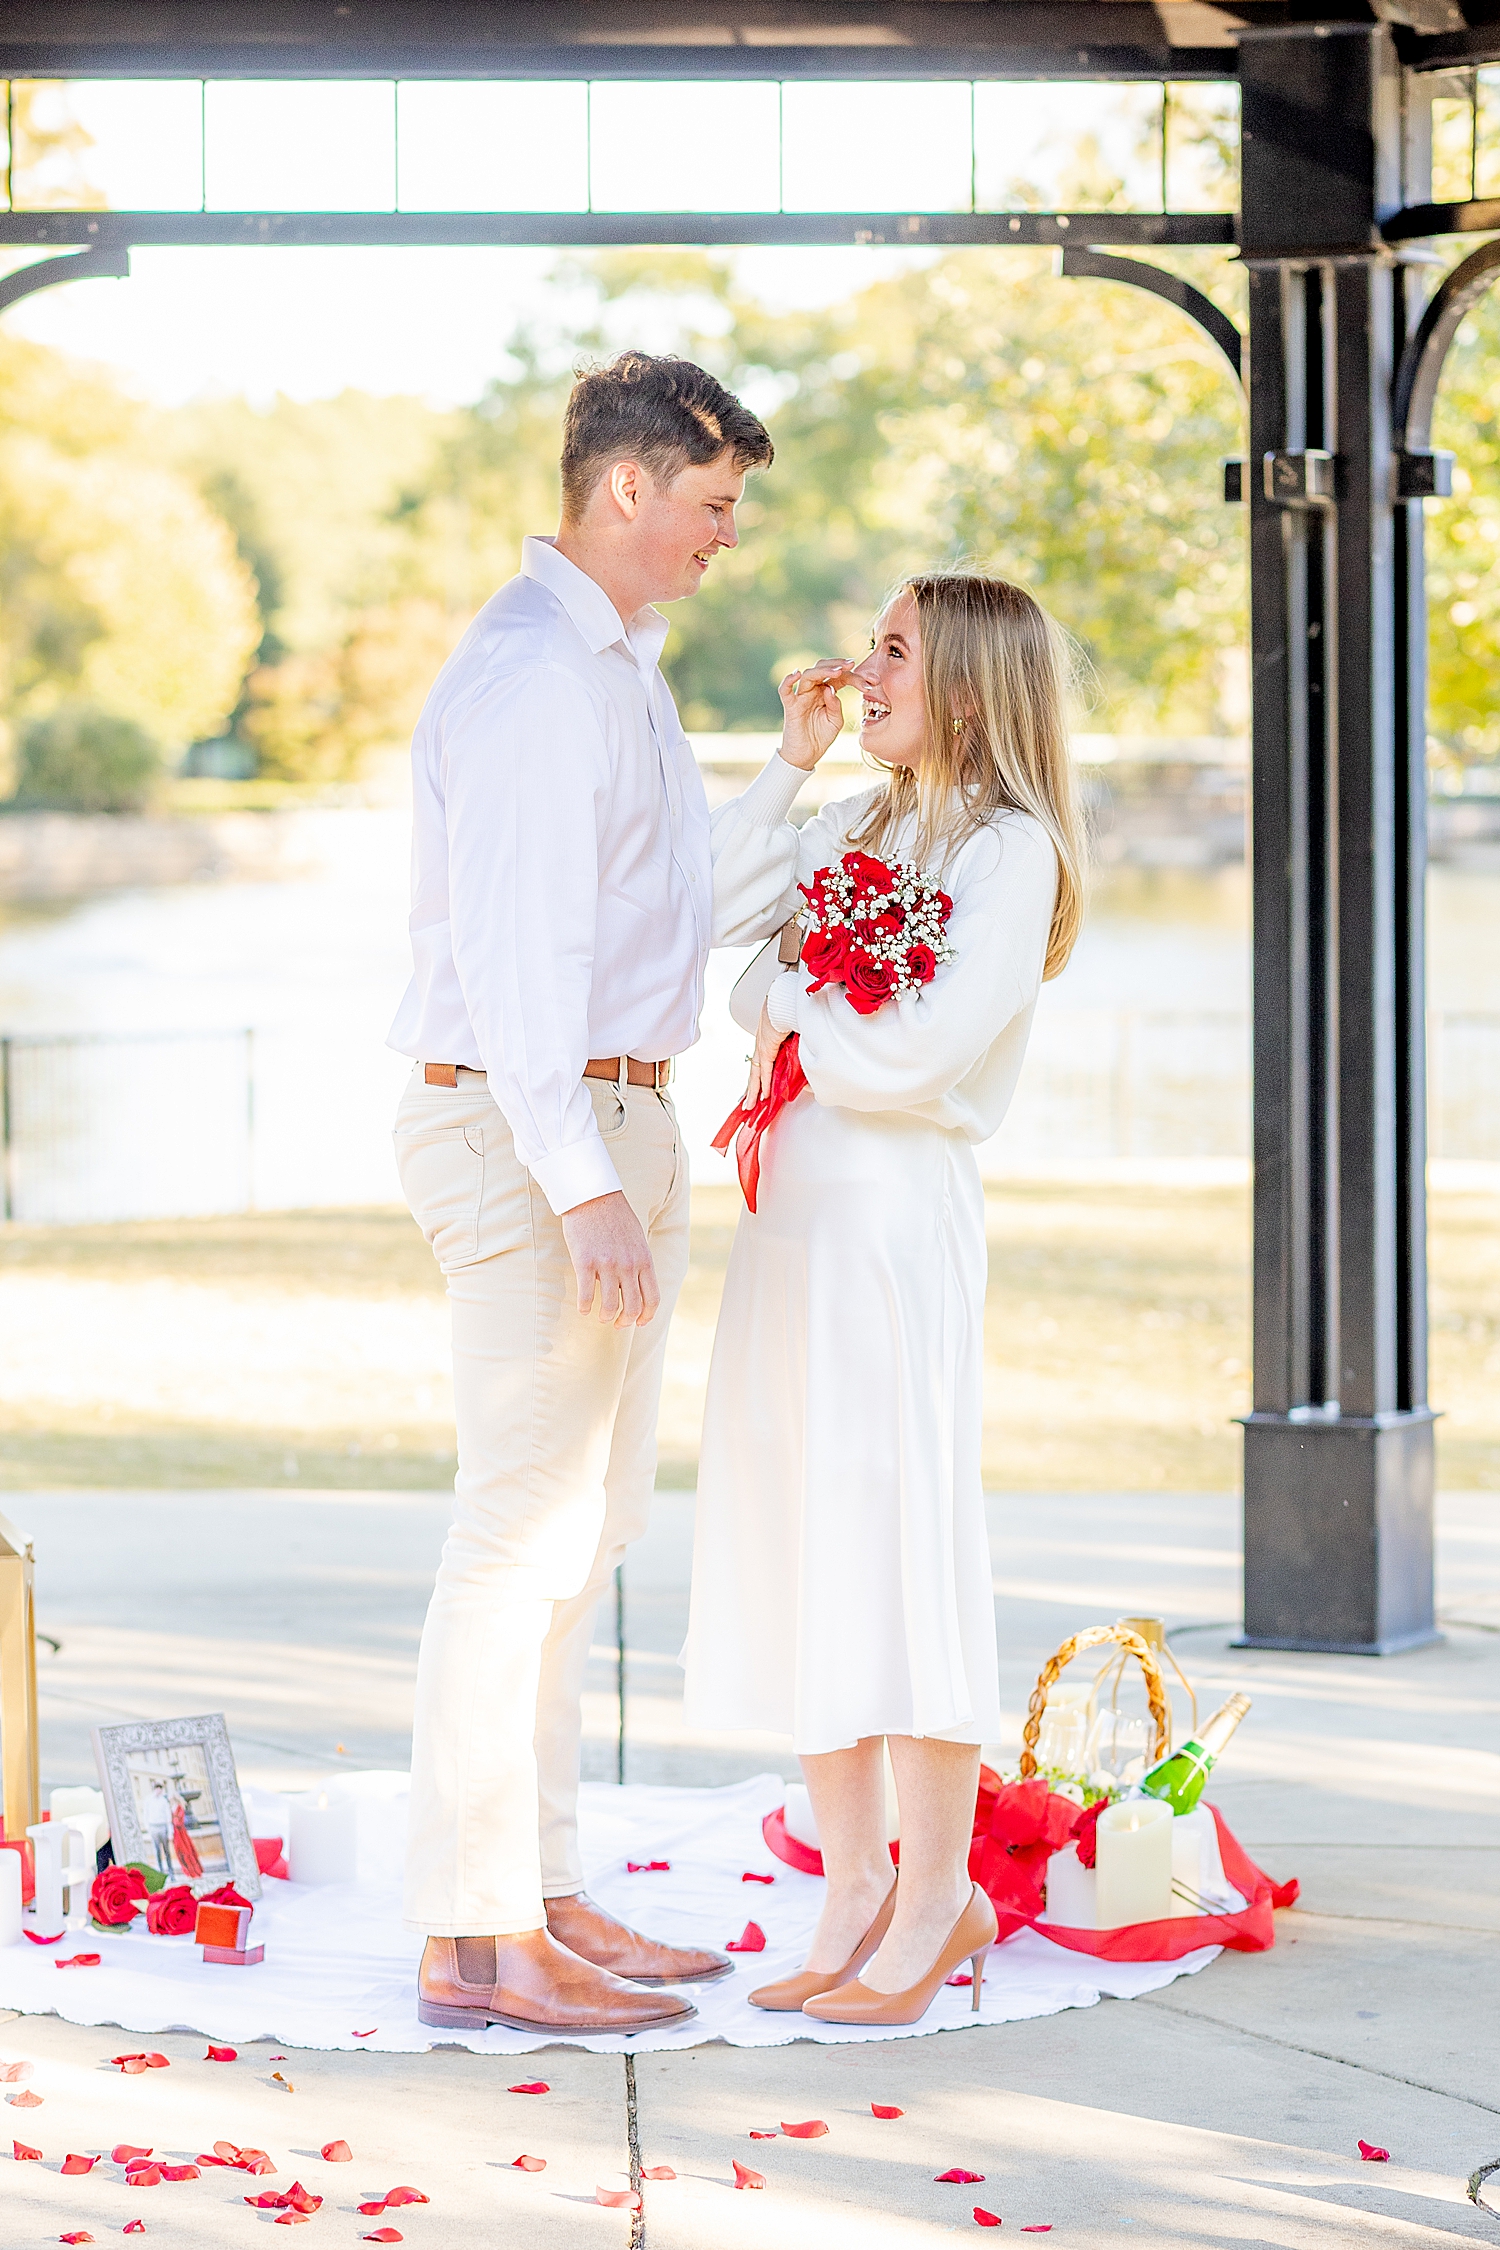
x=1338, y=1449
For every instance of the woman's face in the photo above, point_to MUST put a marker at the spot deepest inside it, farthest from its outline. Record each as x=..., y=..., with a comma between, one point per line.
x=893, y=727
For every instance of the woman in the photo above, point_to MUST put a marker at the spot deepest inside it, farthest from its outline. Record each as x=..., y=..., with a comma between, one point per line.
x=842, y=1585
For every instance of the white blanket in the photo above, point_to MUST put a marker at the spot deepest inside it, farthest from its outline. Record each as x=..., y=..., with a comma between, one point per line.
x=338, y=1961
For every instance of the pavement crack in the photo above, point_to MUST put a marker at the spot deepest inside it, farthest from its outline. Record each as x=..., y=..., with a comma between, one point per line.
x=1320, y=2054
x=633, y=2149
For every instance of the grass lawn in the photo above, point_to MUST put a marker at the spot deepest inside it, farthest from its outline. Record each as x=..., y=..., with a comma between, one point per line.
x=311, y=1348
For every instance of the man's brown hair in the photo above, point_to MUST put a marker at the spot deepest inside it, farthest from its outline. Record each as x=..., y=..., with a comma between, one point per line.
x=665, y=413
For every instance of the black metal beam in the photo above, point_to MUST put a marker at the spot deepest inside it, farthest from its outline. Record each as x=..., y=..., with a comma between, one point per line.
x=600, y=229
x=1134, y=273
x=1338, y=1448
x=109, y=261
x=1425, y=219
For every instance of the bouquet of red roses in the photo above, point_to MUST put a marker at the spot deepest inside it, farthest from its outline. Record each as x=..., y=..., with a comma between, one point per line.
x=877, y=927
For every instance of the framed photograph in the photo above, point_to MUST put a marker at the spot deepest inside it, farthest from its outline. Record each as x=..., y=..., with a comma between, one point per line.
x=174, y=1801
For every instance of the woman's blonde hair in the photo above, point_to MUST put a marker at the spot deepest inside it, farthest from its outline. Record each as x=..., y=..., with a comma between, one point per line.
x=995, y=673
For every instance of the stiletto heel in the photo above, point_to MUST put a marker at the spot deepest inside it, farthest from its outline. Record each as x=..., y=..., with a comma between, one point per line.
x=976, y=1967
x=972, y=1934
x=791, y=1992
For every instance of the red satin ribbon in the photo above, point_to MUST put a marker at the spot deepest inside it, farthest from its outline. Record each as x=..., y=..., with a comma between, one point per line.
x=747, y=1126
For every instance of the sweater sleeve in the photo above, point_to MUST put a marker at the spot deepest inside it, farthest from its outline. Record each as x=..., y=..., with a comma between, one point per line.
x=917, y=1048
x=760, y=855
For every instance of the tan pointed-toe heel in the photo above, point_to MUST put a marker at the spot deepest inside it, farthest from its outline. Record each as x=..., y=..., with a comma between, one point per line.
x=791, y=1992
x=973, y=1934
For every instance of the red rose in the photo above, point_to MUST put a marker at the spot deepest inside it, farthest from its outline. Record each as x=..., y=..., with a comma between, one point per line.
x=869, y=874
x=113, y=1896
x=869, y=983
x=172, y=1913
x=892, y=923
x=944, y=904
x=824, y=953
x=921, y=963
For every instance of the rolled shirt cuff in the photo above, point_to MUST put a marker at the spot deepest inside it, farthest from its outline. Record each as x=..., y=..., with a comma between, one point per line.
x=781, y=1000
x=773, y=792
x=576, y=1174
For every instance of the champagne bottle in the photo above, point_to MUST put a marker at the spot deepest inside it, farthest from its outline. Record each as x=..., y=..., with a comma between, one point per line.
x=1179, y=1779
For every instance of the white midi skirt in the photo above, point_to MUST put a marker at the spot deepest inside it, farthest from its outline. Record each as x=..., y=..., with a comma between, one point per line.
x=842, y=1582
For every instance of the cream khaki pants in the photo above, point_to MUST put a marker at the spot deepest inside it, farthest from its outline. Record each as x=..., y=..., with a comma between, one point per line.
x=556, y=1423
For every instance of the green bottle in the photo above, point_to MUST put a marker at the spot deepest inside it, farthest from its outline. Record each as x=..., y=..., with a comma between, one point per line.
x=1180, y=1778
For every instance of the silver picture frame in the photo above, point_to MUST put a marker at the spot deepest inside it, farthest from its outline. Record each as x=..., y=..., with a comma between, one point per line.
x=155, y=1775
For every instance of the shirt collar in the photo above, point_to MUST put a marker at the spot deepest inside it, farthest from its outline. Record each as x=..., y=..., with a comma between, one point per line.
x=589, y=607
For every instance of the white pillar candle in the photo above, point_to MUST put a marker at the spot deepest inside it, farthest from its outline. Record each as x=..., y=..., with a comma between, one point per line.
x=1072, y=1891
x=1135, y=1862
x=324, y=1843
x=10, y=1898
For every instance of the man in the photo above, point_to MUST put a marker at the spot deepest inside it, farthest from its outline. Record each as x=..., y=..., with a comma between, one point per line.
x=560, y=923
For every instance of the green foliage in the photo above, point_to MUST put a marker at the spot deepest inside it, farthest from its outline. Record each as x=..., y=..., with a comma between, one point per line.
x=1463, y=552
x=80, y=759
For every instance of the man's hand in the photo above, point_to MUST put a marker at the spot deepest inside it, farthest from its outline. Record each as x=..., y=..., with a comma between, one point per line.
x=612, y=1260
x=812, y=716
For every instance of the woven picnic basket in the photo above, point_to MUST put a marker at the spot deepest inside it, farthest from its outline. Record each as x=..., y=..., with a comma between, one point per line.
x=1095, y=1637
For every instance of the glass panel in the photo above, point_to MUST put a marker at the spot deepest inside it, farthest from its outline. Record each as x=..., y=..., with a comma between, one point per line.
x=1487, y=166
x=1452, y=149
x=895, y=147
x=1203, y=146
x=1050, y=146
x=100, y=144
x=300, y=145
x=505, y=145
x=684, y=147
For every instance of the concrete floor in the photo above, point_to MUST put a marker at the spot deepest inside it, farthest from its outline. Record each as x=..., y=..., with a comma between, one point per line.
x=1224, y=2110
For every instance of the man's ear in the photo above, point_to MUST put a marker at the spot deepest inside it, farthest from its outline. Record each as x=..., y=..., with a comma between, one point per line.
x=626, y=486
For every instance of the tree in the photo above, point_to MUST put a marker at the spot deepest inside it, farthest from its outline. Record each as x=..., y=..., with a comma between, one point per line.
x=1463, y=553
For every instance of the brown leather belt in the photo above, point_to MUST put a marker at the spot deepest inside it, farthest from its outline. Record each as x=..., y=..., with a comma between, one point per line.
x=657, y=1074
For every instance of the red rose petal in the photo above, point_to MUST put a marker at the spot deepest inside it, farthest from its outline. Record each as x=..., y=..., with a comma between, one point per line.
x=752, y=1939
x=25, y=2099
x=24, y=2155
x=879, y=2109
x=180, y=2172
x=78, y=1960
x=291, y=2219
x=617, y=2199
x=134, y=2226
x=812, y=2129
x=359, y=2034
x=227, y=2153
x=365, y=2210
x=400, y=2195
x=959, y=2178
x=745, y=2178
x=657, y=2172
x=32, y=1937
x=768, y=2134
x=222, y=2054
x=534, y=2086
x=983, y=2218
x=1047, y=2229
x=125, y=2154
x=72, y=2165
x=648, y=1867
x=158, y=2062
x=747, y=1877
x=75, y=2238
x=13, y=2074
x=337, y=2152
x=149, y=2175
x=529, y=2164
x=1370, y=2154
x=384, y=2234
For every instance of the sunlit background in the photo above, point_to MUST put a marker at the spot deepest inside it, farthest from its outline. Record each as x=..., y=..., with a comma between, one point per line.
x=250, y=496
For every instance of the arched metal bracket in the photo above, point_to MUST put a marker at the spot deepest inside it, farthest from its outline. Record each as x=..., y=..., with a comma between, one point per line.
x=1420, y=473
x=110, y=261
x=1095, y=265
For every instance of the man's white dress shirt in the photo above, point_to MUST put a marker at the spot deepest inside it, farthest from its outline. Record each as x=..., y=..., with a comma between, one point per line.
x=561, y=880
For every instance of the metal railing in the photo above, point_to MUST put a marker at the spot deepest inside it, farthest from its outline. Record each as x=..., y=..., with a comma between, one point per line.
x=182, y=1125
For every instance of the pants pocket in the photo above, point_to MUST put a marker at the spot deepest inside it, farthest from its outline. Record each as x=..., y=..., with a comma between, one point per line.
x=442, y=1177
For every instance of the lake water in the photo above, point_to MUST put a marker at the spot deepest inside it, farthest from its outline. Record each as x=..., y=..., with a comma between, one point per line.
x=1139, y=1049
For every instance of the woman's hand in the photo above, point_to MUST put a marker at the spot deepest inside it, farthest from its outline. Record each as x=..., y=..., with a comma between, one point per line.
x=768, y=1044
x=814, y=717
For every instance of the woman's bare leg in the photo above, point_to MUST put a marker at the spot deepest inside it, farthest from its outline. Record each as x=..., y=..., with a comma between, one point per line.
x=847, y=1788
x=935, y=1788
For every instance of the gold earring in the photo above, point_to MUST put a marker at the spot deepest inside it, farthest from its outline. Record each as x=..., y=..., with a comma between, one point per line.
x=958, y=726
